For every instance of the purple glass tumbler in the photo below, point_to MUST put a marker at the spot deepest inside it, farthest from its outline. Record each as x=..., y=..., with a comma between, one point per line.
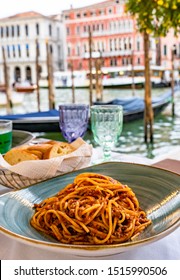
x=73, y=120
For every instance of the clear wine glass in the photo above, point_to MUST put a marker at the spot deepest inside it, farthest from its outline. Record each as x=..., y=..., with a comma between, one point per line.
x=106, y=125
x=73, y=120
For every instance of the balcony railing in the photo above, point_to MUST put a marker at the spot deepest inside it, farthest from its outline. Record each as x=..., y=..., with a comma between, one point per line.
x=107, y=54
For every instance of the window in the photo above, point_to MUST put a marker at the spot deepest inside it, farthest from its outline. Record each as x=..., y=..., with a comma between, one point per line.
x=78, y=50
x=59, y=51
x=120, y=44
x=50, y=30
x=85, y=28
x=8, y=51
x=58, y=33
x=2, y=32
x=78, y=30
x=85, y=48
x=37, y=28
x=12, y=30
x=125, y=44
x=138, y=45
x=7, y=31
x=38, y=48
x=110, y=44
x=139, y=60
x=69, y=50
x=115, y=44
x=26, y=30
x=19, y=50
x=68, y=31
x=51, y=49
x=18, y=30
x=27, y=50
x=103, y=46
x=165, y=50
x=78, y=15
x=14, y=51
x=80, y=66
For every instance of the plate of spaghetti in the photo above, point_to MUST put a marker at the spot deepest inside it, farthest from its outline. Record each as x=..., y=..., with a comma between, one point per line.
x=96, y=211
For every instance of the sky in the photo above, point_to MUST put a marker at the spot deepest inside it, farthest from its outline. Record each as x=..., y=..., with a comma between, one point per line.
x=46, y=7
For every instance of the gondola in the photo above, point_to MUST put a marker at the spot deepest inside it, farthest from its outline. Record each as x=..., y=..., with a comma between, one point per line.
x=48, y=121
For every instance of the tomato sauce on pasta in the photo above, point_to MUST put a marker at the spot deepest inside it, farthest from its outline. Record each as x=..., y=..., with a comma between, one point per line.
x=94, y=209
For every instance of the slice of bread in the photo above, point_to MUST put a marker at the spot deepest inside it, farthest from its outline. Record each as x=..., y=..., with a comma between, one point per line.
x=42, y=151
x=57, y=150
x=40, y=147
x=17, y=155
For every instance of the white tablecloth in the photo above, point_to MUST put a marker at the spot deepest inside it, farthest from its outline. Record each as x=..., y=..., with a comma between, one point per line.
x=167, y=248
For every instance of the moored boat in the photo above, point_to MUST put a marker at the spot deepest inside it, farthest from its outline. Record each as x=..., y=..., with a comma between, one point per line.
x=48, y=121
x=24, y=87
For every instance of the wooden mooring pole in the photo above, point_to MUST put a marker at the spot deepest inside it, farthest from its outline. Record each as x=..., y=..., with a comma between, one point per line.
x=9, y=105
x=173, y=52
x=37, y=75
x=148, y=112
x=50, y=77
x=90, y=69
x=72, y=79
x=99, y=86
x=132, y=63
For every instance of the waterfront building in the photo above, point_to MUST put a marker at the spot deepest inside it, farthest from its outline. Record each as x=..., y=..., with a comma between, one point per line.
x=18, y=34
x=115, y=37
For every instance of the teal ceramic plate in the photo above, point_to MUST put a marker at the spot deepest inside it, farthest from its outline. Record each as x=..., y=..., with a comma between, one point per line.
x=21, y=137
x=158, y=192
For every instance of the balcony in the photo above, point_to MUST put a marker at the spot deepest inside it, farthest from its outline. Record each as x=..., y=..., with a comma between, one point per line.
x=107, y=54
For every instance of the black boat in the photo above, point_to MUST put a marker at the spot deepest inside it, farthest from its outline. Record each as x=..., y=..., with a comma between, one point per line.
x=48, y=121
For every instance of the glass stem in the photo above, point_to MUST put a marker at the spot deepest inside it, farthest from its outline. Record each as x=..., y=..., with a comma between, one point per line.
x=106, y=153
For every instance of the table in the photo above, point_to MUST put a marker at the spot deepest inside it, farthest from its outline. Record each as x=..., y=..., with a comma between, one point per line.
x=167, y=248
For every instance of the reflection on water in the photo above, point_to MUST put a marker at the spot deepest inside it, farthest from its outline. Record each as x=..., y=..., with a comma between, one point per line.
x=166, y=128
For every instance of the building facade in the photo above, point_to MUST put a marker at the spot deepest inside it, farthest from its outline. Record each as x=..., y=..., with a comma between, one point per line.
x=18, y=36
x=115, y=37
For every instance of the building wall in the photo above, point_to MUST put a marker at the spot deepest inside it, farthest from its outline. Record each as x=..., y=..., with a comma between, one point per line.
x=17, y=46
x=114, y=34
x=169, y=43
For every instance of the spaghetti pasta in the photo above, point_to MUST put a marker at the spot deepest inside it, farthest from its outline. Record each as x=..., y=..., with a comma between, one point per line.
x=94, y=209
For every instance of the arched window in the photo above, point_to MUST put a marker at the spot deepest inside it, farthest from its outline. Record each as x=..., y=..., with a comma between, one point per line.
x=12, y=31
x=17, y=74
x=7, y=31
x=28, y=73
x=18, y=30
x=26, y=30
x=37, y=28
x=2, y=32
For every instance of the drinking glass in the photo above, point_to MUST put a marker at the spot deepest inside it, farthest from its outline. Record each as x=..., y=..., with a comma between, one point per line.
x=106, y=125
x=73, y=120
x=5, y=136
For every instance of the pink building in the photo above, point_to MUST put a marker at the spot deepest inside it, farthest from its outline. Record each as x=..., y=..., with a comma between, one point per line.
x=115, y=37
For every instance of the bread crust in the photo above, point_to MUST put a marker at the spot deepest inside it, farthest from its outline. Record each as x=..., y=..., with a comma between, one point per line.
x=15, y=156
x=47, y=150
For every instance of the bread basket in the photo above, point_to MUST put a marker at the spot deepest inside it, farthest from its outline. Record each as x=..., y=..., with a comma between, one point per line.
x=29, y=172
